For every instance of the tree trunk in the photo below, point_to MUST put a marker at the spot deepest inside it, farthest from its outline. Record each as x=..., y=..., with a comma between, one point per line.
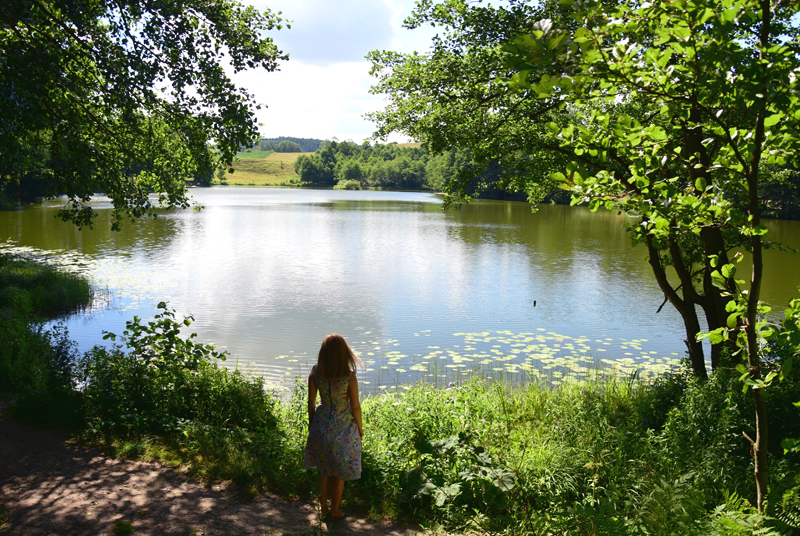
x=684, y=307
x=714, y=303
x=751, y=321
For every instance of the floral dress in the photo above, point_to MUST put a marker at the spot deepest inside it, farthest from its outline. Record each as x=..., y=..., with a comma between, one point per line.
x=334, y=445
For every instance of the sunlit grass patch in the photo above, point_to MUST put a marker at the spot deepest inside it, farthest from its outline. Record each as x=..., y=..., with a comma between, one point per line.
x=274, y=169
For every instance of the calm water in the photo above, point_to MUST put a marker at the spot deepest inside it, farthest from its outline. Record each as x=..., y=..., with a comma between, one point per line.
x=417, y=291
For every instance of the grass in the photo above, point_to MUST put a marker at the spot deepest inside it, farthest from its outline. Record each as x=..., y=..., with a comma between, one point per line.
x=593, y=457
x=26, y=286
x=123, y=526
x=4, y=524
x=254, y=154
x=36, y=363
x=276, y=169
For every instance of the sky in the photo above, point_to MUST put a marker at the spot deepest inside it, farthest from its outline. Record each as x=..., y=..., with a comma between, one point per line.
x=323, y=90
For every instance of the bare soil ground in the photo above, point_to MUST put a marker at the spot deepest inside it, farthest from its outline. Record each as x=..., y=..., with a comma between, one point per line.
x=50, y=486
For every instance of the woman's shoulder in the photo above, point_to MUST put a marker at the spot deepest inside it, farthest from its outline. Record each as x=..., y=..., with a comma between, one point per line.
x=341, y=379
x=350, y=377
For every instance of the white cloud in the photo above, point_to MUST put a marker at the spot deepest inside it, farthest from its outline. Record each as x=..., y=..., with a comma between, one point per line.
x=311, y=101
x=325, y=32
x=323, y=90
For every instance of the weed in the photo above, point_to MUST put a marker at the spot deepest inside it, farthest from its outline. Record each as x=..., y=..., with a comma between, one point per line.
x=123, y=526
x=4, y=523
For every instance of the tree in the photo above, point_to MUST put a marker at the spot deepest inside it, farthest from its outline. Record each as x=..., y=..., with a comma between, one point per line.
x=125, y=97
x=287, y=146
x=313, y=169
x=265, y=145
x=670, y=111
x=454, y=98
x=522, y=129
x=348, y=170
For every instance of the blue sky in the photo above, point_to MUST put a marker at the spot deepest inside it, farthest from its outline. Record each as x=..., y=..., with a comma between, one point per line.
x=323, y=90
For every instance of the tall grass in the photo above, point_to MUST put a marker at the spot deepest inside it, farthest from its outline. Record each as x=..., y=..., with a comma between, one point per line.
x=33, y=360
x=27, y=287
x=255, y=169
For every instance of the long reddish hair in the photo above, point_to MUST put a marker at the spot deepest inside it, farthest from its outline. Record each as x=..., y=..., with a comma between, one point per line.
x=336, y=359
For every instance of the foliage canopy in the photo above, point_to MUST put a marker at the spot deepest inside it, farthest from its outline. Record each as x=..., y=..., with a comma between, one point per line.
x=125, y=97
x=675, y=112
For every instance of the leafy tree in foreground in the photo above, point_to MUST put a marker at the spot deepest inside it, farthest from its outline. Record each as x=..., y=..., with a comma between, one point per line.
x=125, y=97
x=455, y=97
x=718, y=80
x=672, y=111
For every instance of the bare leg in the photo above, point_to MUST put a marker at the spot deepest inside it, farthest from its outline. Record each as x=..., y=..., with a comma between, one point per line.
x=336, y=488
x=323, y=493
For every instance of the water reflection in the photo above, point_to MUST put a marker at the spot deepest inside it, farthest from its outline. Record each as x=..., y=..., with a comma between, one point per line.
x=268, y=272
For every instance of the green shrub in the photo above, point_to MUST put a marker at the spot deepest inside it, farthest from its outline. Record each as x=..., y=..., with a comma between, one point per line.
x=350, y=184
x=44, y=372
x=163, y=380
x=33, y=359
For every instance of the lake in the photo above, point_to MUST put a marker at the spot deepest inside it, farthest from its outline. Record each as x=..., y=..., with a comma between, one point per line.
x=419, y=293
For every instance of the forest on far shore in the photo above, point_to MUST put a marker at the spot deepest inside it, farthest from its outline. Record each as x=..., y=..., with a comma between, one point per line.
x=348, y=165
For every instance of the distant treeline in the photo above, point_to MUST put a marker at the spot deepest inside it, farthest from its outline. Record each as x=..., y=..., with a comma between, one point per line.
x=347, y=165
x=286, y=144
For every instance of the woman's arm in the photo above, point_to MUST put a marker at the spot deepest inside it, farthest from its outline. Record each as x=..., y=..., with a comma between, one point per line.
x=312, y=396
x=355, y=403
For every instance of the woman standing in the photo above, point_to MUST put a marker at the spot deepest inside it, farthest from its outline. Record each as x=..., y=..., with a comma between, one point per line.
x=335, y=429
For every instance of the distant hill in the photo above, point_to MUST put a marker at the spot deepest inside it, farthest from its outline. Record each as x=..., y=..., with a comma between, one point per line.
x=308, y=145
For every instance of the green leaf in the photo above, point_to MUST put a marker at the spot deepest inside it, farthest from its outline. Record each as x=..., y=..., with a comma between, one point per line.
x=717, y=336
x=772, y=120
x=728, y=271
x=700, y=184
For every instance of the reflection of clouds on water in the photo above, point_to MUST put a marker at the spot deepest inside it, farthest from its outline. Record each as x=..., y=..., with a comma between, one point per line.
x=268, y=272
x=529, y=356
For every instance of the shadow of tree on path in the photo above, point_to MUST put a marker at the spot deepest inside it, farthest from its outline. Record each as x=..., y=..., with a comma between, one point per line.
x=49, y=486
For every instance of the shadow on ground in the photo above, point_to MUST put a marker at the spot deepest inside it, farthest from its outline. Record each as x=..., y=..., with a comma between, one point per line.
x=49, y=486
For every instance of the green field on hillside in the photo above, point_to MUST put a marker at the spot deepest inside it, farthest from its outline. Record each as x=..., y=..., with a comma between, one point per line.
x=250, y=153
x=277, y=169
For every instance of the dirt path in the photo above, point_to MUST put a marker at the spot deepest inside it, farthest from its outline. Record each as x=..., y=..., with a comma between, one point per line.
x=49, y=486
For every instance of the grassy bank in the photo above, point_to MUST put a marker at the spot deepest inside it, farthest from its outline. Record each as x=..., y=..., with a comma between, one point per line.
x=611, y=456
x=263, y=168
x=28, y=288
x=36, y=364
